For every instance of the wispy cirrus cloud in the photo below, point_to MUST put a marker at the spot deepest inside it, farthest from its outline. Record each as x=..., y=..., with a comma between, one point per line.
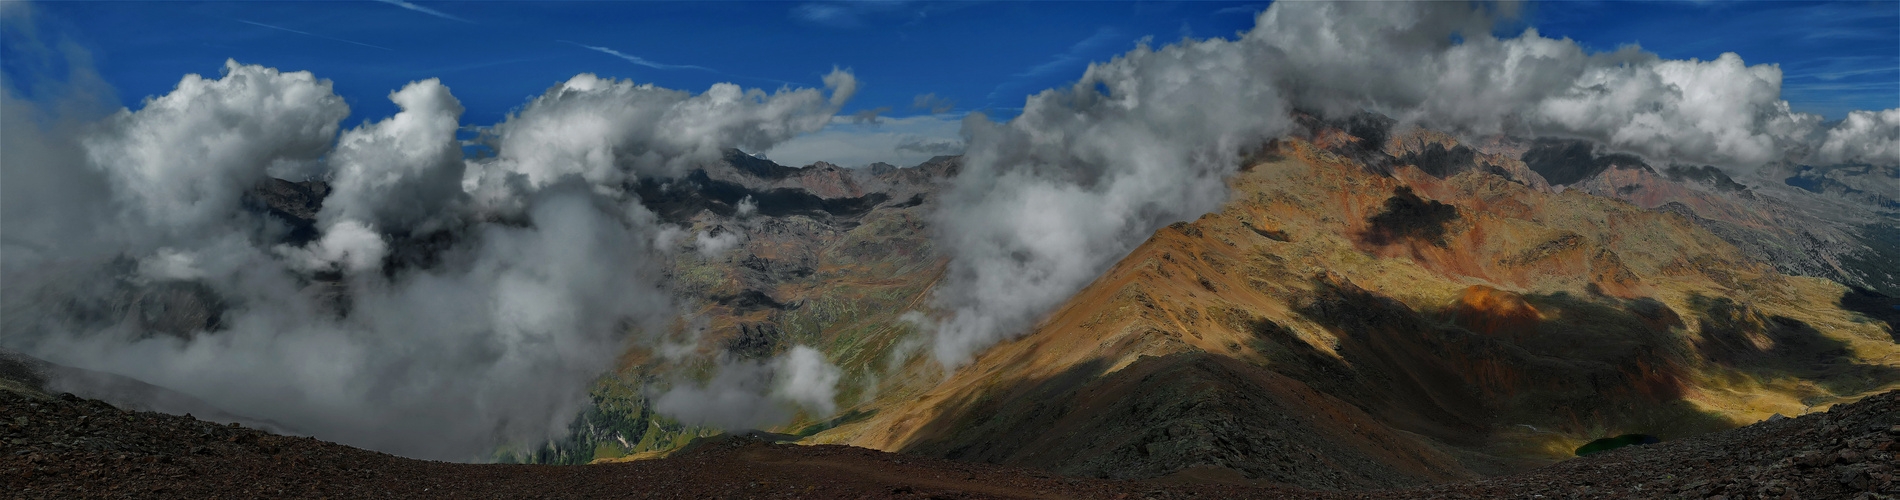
x=870, y=116
x=637, y=59
x=1078, y=55
x=1249, y=9
x=828, y=14
x=425, y=10
x=1837, y=67
x=845, y=14
x=849, y=142
x=1836, y=85
x=1836, y=75
x=663, y=66
x=306, y=33
x=936, y=105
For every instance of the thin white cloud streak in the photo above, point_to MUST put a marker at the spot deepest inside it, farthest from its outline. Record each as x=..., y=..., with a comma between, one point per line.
x=1836, y=75
x=1838, y=87
x=474, y=66
x=849, y=14
x=306, y=33
x=1250, y=9
x=830, y=15
x=902, y=141
x=1077, y=54
x=425, y=10
x=637, y=59
x=933, y=104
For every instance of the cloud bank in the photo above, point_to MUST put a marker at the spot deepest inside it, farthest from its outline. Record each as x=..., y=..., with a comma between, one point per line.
x=902, y=141
x=606, y=131
x=445, y=306
x=179, y=165
x=1048, y=200
x=752, y=395
x=1864, y=137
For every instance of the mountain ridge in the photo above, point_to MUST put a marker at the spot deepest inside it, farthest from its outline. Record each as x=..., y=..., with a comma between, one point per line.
x=1402, y=301
x=1561, y=253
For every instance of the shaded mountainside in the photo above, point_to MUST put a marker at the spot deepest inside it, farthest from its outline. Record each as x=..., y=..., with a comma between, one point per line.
x=1869, y=184
x=823, y=256
x=1800, y=233
x=1342, y=325
x=19, y=372
x=820, y=255
x=1162, y=414
x=1838, y=225
x=1371, y=310
x=69, y=447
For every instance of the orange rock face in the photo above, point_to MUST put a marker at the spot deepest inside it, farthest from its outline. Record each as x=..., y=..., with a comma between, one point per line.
x=1494, y=312
x=1499, y=318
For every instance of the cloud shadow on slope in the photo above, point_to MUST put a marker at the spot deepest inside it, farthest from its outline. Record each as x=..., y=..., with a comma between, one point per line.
x=1875, y=305
x=1767, y=346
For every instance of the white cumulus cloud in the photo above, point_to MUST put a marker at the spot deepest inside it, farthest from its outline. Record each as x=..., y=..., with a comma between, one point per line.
x=179, y=164
x=712, y=245
x=403, y=170
x=507, y=304
x=1865, y=136
x=609, y=131
x=1048, y=200
x=753, y=394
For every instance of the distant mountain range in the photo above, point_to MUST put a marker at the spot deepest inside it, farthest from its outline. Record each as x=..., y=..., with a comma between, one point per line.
x=1372, y=308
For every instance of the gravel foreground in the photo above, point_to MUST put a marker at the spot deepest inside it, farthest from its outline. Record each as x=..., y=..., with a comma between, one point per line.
x=69, y=447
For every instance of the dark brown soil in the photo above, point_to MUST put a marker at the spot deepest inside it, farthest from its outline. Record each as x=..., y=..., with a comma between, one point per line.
x=69, y=447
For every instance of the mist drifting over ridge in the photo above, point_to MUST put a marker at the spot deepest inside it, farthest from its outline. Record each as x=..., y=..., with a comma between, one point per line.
x=1048, y=200
x=550, y=268
x=544, y=271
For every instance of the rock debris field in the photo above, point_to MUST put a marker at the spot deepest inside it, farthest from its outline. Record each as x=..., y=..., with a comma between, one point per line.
x=70, y=447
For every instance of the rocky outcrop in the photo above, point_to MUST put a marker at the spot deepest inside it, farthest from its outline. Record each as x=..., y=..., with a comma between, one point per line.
x=1164, y=414
x=70, y=447
x=1826, y=229
x=28, y=375
x=1532, y=322
x=294, y=204
x=821, y=256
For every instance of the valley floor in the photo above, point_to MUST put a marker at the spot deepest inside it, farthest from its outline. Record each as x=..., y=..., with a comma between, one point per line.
x=69, y=447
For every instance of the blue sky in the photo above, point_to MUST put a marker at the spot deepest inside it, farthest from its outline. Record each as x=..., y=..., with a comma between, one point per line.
x=1834, y=56
x=970, y=55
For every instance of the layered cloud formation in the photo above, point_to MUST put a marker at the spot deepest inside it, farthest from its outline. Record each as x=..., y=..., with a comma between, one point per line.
x=1864, y=137
x=732, y=399
x=179, y=164
x=1051, y=198
x=903, y=141
x=445, y=306
x=605, y=130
